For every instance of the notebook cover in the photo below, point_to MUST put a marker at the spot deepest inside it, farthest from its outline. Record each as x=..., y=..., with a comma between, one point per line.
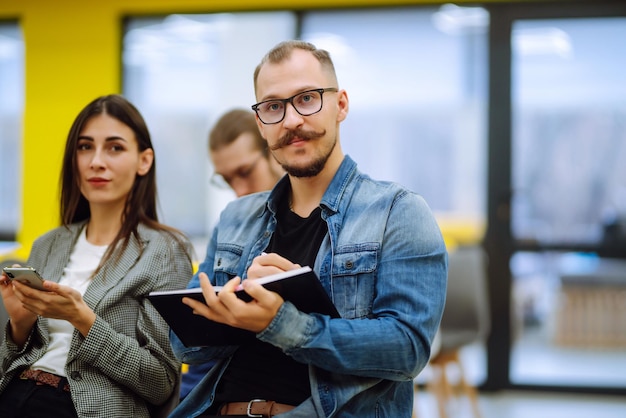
x=300, y=286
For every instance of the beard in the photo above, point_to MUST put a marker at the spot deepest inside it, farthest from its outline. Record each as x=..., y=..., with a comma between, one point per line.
x=314, y=167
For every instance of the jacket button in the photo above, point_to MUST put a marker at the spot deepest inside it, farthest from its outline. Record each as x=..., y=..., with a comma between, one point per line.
x=349, y=265
x=75, y=375
x=219, y=262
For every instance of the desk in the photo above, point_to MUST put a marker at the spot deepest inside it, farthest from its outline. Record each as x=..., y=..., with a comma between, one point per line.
x=592, y=307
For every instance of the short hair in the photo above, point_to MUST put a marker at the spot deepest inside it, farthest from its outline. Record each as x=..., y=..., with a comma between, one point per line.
x=283, y=50
x=231, y=125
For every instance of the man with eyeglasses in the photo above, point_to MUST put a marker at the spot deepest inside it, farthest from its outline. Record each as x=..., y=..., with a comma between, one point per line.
x=374, y=245
x=243, y=163
x=240, y=156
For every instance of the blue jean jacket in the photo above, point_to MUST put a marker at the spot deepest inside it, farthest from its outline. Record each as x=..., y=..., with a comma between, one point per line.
x=384, y=264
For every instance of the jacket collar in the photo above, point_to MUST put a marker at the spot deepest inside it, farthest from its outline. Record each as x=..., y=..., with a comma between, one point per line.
x=332, y=199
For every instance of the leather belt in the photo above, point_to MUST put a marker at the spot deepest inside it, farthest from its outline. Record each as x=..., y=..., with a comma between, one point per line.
x=45, y=378
x=255, y=408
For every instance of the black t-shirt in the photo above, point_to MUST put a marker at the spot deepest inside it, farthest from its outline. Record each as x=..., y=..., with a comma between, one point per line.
x=260, y=370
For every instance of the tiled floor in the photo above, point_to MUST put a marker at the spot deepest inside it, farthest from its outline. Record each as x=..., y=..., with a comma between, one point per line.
x=525, y=404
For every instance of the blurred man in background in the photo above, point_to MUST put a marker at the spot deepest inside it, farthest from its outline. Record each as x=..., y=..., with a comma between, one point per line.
x=240, y=156
x=243, y=163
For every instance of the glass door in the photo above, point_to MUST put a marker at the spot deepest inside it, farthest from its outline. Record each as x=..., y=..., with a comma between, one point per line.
x=569, y=201
x=557, y=197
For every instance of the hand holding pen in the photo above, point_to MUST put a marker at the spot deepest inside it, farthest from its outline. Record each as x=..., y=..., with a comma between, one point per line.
x=266, y=264
x=225, y=307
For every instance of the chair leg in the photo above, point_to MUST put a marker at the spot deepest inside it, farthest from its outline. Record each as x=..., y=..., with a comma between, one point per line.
x=438, y=386
x=468, y=390
x=443, y=390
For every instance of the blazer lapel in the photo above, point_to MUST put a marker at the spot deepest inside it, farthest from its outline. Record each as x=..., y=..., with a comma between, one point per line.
x=61, y=249
x=114, y=271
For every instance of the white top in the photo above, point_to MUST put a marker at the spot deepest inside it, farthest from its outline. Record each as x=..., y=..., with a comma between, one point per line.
x=84, y=260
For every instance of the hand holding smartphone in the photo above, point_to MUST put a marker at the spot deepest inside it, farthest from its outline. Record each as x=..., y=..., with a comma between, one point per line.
x=27, y=275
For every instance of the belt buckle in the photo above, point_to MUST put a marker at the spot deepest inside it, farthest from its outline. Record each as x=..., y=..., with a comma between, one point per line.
x=249, y=408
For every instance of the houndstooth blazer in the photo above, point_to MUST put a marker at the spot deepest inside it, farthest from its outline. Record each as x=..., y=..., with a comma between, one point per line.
x=125, y=366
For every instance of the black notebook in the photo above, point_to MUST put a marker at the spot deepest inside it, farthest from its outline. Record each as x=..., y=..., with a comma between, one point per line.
x=300, y=286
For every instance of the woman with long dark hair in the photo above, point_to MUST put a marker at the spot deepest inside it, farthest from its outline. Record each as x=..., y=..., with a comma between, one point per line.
x=90, y=344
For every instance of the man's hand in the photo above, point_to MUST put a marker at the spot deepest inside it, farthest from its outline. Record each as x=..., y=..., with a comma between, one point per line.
x=227, y=308
x=267, y=264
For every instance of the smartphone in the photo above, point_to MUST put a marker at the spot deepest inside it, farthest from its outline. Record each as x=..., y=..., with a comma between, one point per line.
x=26, y=275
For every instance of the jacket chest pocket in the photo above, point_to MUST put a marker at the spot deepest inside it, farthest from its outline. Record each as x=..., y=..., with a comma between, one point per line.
x=354, y=279
x=227, y=259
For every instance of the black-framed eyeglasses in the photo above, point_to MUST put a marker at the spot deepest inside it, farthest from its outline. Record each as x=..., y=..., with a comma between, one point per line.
x=306, y=103
x=225, y=182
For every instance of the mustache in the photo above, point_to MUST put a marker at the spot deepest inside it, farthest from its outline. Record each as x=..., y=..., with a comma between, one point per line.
x=286, y=139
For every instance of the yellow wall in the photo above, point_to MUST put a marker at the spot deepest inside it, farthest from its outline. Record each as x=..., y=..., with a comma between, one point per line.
x=72, y=55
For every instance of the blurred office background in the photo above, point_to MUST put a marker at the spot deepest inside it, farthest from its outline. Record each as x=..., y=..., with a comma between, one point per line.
x=509, y=118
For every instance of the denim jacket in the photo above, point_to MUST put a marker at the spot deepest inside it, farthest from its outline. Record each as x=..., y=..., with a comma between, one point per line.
x=384, y=264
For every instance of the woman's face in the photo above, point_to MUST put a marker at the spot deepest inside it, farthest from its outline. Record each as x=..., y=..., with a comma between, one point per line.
x=108, y=160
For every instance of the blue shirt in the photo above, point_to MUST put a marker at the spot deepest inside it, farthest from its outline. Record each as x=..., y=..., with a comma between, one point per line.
x=384, y=264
